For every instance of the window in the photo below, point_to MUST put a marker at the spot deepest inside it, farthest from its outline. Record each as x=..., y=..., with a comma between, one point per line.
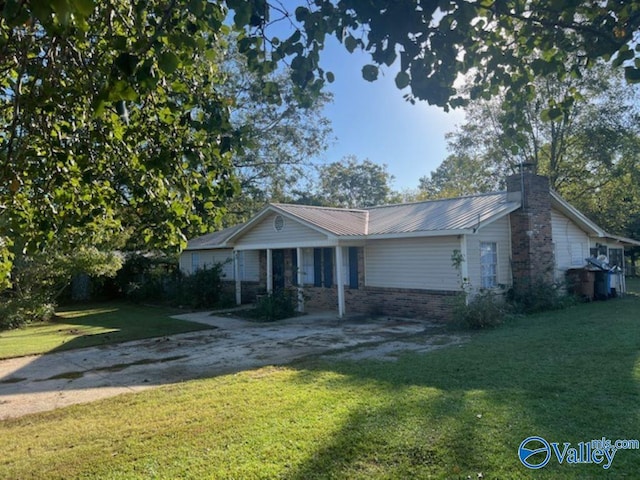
x=195, y=262
x=345, y=266
x=307, y=266
x=323, y=267
x=616, y=257
x=488, y=264
x=577, y=255
x=278, y=223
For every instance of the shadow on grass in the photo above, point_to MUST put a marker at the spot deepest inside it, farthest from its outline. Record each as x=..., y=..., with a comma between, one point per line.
x=76, y=328
x=124, y=322
x=569, y=376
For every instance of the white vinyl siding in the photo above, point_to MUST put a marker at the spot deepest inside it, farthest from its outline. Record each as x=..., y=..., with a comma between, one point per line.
x=293, y=234
x=190, y=261
x=571, y=244
x=498, y=232
x=420, y=263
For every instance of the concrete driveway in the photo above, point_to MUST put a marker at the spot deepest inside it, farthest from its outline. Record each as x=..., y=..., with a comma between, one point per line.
x=45, y=382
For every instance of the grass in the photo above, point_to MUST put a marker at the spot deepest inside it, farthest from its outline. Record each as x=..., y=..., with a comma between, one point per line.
x=92, y=325
x=455, y=413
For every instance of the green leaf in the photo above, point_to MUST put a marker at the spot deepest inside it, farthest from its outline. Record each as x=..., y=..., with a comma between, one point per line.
x=370, y=73
x=168, y=62
x=551, y=114
x=301, y=13
x=623, y=56
x=350, y=43
x=83, y=7
x=632, y=74
x=402, y=80
x=330, y=77
x=126, y=63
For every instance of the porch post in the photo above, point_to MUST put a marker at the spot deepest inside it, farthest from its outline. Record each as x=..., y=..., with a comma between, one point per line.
x=340, y=281
x=464, y=268
x=300, y=278
x=236, y=276
x=269, y=271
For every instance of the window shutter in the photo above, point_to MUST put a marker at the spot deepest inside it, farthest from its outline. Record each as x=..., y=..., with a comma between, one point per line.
x=317, y=265
x=328, y=267
x=353, y=267
x=294, y=266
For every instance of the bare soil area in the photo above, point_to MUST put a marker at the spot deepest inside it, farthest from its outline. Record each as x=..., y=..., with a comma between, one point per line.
x=45, y=382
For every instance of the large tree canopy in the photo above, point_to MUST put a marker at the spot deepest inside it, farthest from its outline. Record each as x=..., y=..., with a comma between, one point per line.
x=590, y=153
x=351, y=183
x=504, y=44
x=280, y=141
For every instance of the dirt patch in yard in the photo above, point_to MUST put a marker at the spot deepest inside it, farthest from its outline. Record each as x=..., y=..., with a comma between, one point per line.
x=45, y=382
x=391, y=350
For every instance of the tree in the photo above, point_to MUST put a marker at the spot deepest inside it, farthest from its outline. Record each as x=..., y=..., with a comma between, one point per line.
x=458, y=175
x=113, y=131
x=589, y=153
x=353, y=184
x=279, y=138
x=503, y=45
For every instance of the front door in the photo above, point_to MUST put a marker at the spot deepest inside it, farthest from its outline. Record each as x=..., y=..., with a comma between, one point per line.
x=278, y=269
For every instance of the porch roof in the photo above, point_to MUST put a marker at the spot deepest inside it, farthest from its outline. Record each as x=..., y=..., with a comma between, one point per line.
x=336, y=221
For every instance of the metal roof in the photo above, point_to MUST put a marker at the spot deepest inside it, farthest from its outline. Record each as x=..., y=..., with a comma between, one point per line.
x=448, y=215
x=212, y=240
x=434, y=217
x=337, y=221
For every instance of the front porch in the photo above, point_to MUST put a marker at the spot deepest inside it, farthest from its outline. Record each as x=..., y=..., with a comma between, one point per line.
x=322, y=277
x=321, y=287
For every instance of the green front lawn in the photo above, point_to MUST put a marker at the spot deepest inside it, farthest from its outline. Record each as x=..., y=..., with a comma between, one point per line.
x=568, y=376
x=91, y=325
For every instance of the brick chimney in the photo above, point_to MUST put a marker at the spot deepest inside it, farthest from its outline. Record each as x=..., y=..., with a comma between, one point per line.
x=532, y=256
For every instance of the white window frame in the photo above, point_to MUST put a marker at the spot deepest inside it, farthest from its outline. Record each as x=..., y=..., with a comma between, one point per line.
x=307, y=266
x=489, y=280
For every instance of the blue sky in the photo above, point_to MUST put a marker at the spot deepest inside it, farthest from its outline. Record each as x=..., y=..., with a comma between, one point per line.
x=372, y=120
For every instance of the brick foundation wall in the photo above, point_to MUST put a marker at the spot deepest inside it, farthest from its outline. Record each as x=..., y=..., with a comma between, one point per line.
x=396, y=302
x=401, y=302
x=532, y=256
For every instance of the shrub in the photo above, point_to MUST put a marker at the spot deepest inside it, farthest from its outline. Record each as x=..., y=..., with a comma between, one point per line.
x=539, y=297
x=39, y=280
x=17, y=312
x=202, y=289
x=483, y=310
x=277, y=305
x=145, y=278
x=157, y=278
